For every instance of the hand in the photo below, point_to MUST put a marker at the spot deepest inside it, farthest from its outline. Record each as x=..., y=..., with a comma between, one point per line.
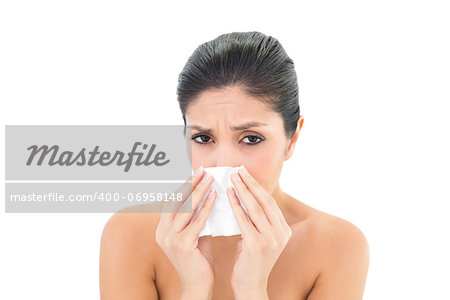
x=265, y=233
x=177, y=235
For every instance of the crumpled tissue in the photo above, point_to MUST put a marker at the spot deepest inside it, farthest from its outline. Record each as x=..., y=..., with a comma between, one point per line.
x=221, y=220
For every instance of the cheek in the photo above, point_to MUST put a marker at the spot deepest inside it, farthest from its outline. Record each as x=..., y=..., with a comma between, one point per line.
x=265, y=168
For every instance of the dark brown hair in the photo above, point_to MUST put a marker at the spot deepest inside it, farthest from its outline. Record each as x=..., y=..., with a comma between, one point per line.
x=253, y=61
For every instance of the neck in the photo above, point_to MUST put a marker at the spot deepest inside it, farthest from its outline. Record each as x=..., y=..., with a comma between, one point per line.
x=286, y=203
x=279, y=196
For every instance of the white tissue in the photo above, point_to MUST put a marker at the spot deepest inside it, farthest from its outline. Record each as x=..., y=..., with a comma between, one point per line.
x=221, y=220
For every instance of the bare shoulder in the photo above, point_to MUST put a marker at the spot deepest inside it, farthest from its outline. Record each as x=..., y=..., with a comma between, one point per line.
x=344, y=257
x=340, y=234
x=127, y=252
x=130, y=225
x=337, y=234
x=130, y=234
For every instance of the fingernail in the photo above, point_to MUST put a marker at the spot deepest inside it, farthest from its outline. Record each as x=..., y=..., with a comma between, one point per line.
x=205, y=177
x=244, y=170
x=198, y=171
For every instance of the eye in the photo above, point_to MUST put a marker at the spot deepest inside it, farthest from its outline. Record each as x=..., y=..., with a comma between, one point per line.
x=203, y=139
x=253, y=140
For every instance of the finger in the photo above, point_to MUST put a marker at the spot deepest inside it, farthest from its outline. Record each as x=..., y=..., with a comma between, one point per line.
x=283, y=221
x=264, y=199
x=254, y=210
x=171, y=208
x=245, y=224
x=197, y=197
x=198, y=222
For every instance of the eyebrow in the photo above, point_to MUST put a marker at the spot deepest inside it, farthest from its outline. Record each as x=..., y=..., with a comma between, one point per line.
x=239, y=127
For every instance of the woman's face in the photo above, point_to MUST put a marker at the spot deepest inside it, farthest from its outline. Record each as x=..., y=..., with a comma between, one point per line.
x=231, y=128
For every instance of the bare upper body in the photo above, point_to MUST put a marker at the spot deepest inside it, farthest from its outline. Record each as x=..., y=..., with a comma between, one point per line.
x=239, y=98
x=326, y=258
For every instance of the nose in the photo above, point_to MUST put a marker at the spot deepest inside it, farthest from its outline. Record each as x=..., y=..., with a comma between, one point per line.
x=226, y=157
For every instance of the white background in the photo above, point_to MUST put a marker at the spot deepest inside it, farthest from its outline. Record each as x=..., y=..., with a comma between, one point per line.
x=374, y=149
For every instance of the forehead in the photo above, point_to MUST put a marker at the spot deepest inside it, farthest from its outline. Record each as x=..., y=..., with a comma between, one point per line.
x=230, y=101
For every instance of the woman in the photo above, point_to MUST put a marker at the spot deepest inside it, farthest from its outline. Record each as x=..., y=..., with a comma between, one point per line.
x=239, y=95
